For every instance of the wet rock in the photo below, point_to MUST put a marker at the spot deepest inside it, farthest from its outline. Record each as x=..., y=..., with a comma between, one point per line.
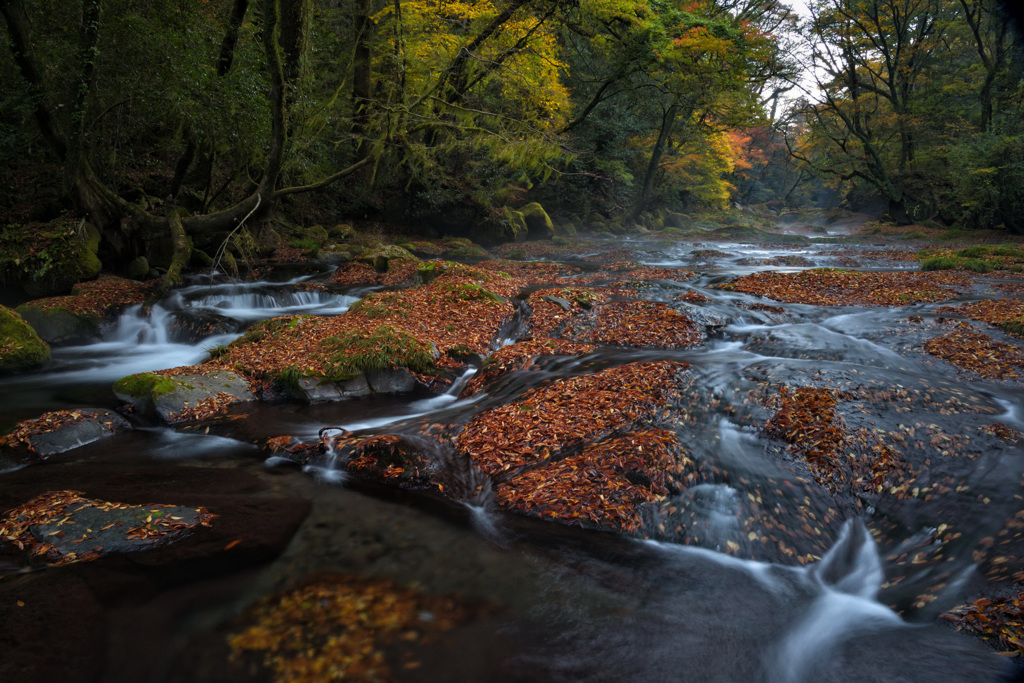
x=192, y=326
x=64, y=430
x=78, y=316
x=20, y=346
x=173, y=398
x=387, y=381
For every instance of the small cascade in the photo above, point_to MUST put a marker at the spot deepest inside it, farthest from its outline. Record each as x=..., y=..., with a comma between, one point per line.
x=247, y=305
x=849, y=577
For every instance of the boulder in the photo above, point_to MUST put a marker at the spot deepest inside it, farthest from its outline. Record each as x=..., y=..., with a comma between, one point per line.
x=58, y=325
x=171, y=397
x=381, y=257
x=538, y=223
x=64, y=430
x=386, y=381
x=138, y=268
x=20, y=346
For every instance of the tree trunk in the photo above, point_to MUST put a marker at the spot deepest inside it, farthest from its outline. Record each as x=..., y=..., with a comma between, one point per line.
x=361, y=81
x=668, y=122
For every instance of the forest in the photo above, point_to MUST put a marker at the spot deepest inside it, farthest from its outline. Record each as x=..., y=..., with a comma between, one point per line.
x=167, y=126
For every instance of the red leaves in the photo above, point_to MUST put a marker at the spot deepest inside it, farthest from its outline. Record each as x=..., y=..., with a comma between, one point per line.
x=566, y=413
x=605, y=484
x=1005, y=313
x=997, y=619
x=58, y=507
x=831, y=287
x=346, y=628
x=98, y=297
x=641, y=324
x=978, y=353
x=47, y=422
x=520, y=356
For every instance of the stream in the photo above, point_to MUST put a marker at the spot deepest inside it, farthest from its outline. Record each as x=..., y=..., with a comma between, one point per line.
x=714, y=602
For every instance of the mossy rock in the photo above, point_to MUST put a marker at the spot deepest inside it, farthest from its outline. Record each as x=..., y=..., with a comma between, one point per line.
x=514, y=226
x=138, y=268
x=381, y=257
x=538, y=223
x=341, y=231
x=59, y=325
x=565, y=228
x=165, y=397
x=20, y=347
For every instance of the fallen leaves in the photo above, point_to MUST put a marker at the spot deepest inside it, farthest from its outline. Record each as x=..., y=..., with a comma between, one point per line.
x=978, y=353
x=604, y=484
x=836, y=287
x=22, y=435
x=566, y=414
x=98, y=298
x=1005, y=313
x=638, y=324
x=346, y=628
x=23, y=525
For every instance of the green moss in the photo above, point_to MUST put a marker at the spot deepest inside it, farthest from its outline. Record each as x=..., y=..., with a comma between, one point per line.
x=956, y=263
x=1013, y=326
x=469, y=292
x=351, y=354
x=289, y=378
x=20, y=346
x=272, y=328
x=145, y=385
x=381, y=306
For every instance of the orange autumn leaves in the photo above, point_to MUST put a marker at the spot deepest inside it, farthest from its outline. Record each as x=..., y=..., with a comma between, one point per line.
x=346, y=628
x=833, y=287
x=584, y=449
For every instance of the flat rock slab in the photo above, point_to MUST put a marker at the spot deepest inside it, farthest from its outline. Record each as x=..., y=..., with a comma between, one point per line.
x=370, y=382
x=63, y=430
x=176, y=398
x=120, y=528
x=95, y=425
x=65, y=623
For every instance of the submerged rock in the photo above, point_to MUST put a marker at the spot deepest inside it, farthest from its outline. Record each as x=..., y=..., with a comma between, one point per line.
x=20, y=346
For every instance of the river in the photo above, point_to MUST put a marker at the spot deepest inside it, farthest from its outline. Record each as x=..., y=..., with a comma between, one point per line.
x=717, y=602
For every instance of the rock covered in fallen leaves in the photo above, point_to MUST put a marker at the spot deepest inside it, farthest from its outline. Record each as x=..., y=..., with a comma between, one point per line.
x=837, y=287
x=1005, y=313
x=63, y=430
x=999, y=620
x=585, y=450
x=637, y=324
x=521, y=356
x=389, y=342
x=606, y=483
x=20, y=347
x=979, y=354
x=346, y=628
x=62, y=527
x=552, y=309
x=78, y=315
x=179, y=397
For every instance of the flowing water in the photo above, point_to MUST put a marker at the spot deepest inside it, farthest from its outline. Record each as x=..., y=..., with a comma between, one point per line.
x=576, y=604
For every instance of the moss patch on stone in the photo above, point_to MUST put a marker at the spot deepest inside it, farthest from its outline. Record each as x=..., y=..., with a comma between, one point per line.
x=384, y=348
x=20, y=347
x=145, y=385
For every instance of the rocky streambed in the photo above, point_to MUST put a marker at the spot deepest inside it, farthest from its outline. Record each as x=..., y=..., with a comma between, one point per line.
x=624, y=460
